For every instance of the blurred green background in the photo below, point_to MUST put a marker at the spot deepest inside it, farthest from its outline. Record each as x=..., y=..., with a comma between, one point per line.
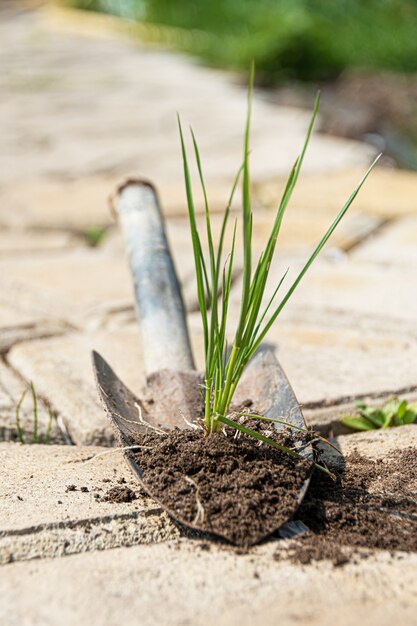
x=362, y=53
x=302, y=39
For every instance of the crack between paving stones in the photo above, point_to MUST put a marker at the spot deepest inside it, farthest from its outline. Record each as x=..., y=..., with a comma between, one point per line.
x=194, y=307
x=42, y=335
x=58, y=417
x=74, y=525
x=326, y=404
x=374, y=231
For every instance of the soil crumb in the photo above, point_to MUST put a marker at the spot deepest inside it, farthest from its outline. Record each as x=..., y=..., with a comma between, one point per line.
x=119, y=494
x=372, y=505
x=225, y=484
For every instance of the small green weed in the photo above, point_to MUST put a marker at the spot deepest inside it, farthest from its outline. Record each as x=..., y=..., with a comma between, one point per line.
x=223, y=370
x=35, y=436
x=395, y=412
x=94, y=235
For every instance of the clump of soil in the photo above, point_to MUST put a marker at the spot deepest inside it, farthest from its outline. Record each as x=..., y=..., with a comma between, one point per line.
x=119, y=494
x=242, y=491
x=372, y=504
x=306, y=549
x=224, y=484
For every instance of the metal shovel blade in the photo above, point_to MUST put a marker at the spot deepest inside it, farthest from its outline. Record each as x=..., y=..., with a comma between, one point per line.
x=172, y=391
x=264, y=377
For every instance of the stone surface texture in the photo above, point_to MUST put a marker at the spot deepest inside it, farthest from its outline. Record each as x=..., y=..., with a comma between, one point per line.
x=54, y=503
x=184, y=584
x=83, y=107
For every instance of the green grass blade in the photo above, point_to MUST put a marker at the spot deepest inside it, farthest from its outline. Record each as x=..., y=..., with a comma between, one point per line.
x=207, y=212
x=35, y=413
x=251, y=331
x=259, y=436
x=318, y=249
x=18, y=425
x=259, y=281
x=288, y=425
x=197, y=250
x=268, y=306
x=204, y=273
x=289, y=188
x=357, y=422
x=272, y=419
x=226, y=216
x=214, y=284
x=49, y=427
x=221, y=332
x=262, y=272
x=227, y=284
x=269, y=441
x=247, y=217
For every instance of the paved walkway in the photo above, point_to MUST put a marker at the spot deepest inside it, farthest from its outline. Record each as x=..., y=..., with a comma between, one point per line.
x=80, y=112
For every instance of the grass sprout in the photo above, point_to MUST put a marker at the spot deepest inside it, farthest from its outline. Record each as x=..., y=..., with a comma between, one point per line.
x=312, y=433
x=224, y=367
x=35, y=435
x=94, y=235
x=18, y=424
x=395, y=412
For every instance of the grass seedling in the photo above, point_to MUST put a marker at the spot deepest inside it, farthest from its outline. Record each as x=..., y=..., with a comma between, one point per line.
x=35, y=413
x=395, y=412
x=224, y=368
x=35, y=437
x=94, y=235
x=18, y=425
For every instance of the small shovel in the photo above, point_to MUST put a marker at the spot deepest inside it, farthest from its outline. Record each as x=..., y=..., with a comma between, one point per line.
x=172, y=397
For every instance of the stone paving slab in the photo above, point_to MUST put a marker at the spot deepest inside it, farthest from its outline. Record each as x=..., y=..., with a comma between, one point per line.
x=326, y=419
x=22, y=318
x=63, y=204
x=341, y=285
x=50, y=509
x=387, y=193
x=325, y=361
x=325, y=366
x=395, y=245
x=50, y=131
x=10, y=335
x=301, y=231
x=78, y=204
x=73, y=286
x=16, y=242
x=328, y=359
x=11, y=390
x=183, y=584
x=361, y=289
x=350, y=332
x=11, y=315
x=70, y=285
x=65, y=376
x=41, y=517
x=179, y=581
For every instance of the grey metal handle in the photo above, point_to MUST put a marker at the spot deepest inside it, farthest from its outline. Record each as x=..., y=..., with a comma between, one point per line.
x=159, y=304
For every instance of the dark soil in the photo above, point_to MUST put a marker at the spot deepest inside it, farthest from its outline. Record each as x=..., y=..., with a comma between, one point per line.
x=226, y=485
x=373, y=504
x=119, y=494
x=244, y=492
